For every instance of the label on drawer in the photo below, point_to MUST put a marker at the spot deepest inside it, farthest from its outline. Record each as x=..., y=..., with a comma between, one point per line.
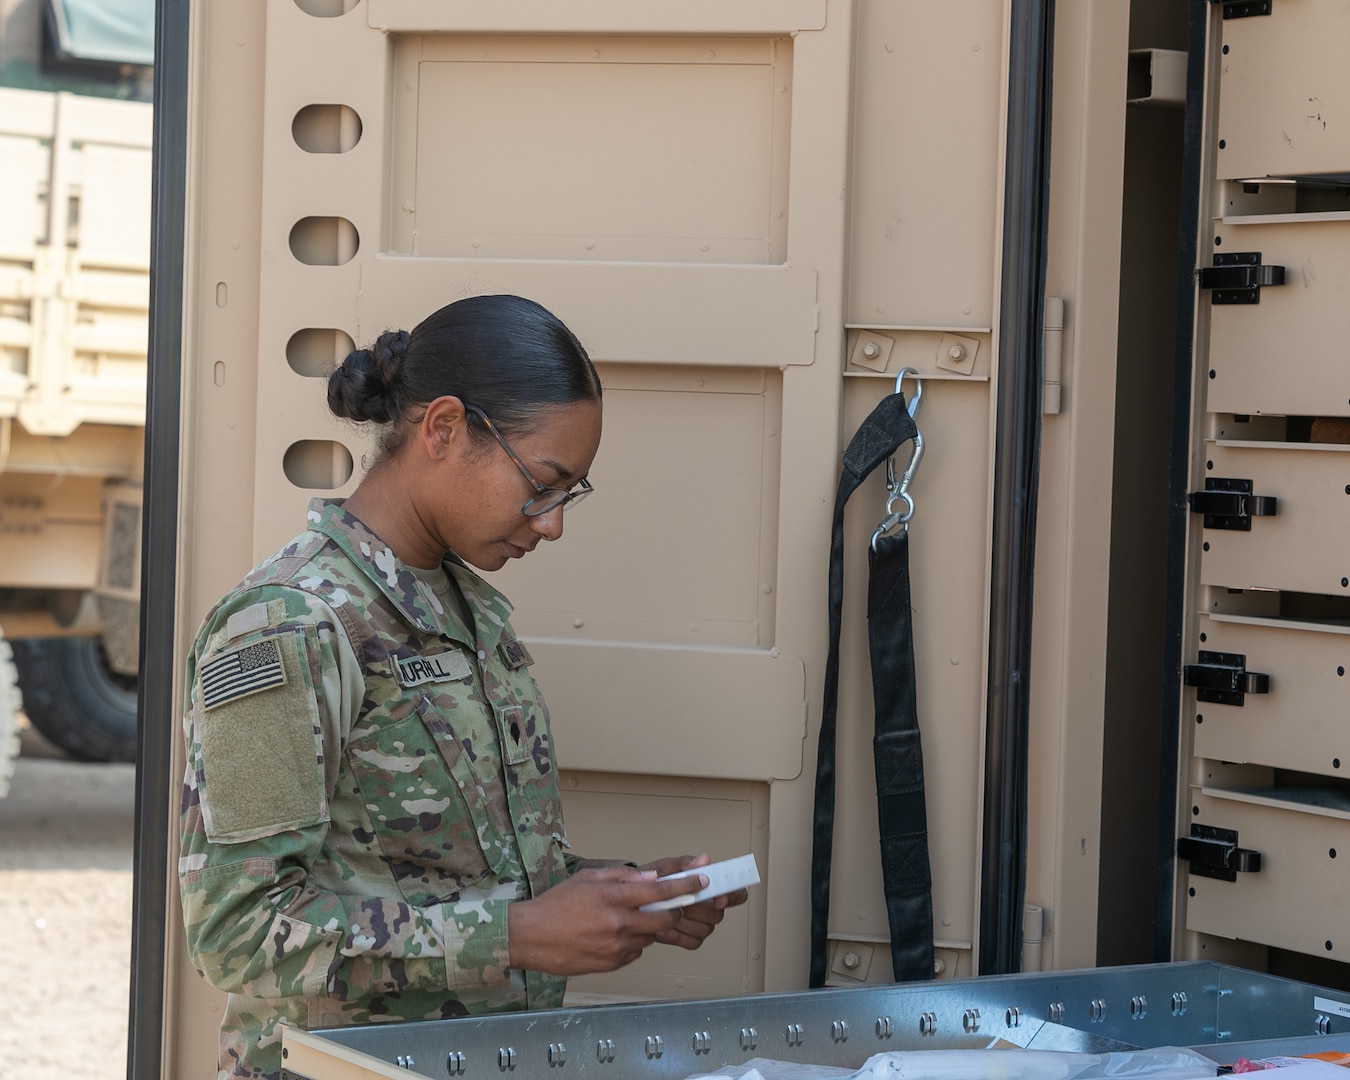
x=1331, y=1008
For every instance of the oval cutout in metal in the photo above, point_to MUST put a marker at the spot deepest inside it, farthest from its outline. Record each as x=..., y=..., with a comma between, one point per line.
x=317, y=464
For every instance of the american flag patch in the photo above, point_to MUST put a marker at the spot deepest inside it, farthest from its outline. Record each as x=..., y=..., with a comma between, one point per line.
x=241, y=672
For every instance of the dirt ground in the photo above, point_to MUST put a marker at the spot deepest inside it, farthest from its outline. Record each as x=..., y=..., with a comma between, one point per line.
x=66, y=834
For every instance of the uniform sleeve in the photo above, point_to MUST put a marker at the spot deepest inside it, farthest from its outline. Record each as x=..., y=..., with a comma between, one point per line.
x=273, y=689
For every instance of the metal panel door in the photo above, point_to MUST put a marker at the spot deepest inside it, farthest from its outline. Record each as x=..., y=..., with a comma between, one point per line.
x=1262, y=772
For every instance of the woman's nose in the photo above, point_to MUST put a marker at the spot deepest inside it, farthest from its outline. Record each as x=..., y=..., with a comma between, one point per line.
x=550, y=524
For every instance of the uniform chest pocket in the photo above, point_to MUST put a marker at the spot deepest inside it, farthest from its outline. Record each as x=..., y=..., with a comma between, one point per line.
x=426, y=806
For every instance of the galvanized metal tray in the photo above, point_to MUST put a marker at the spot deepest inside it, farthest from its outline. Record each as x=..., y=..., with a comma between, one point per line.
x=1224, y=1012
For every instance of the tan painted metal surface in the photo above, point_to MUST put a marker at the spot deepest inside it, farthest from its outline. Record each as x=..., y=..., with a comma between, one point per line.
x=74, y=260
x=74, y=298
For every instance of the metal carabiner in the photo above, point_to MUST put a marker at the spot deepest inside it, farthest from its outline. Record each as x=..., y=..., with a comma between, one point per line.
x=913, y=407
x=898, y=491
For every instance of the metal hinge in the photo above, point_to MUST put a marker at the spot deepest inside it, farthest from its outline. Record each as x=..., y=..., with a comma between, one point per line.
x=1237, y=277
x=1243, y=9
x=1213, y=853
x=1223, y=678
x=1228, y=503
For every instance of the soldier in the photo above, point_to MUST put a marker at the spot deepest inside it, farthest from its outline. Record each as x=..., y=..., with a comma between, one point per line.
x=371, y=825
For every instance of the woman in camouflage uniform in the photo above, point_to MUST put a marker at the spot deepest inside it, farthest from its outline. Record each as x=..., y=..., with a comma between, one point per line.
x=371, y=827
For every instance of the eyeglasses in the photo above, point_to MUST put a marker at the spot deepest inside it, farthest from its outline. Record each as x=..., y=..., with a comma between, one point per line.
x=545, y=498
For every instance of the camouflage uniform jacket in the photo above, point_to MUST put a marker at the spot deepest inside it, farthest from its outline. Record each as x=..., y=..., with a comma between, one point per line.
x=369, y=784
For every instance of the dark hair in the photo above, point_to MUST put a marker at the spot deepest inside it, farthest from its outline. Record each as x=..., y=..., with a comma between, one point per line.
x=507, y=355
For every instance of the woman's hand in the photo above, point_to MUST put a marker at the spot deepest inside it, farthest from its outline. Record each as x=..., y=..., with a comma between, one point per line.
x=696, y=921
x=591, y=922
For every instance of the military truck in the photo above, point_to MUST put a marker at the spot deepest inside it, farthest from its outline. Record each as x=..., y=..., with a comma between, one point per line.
x=1105, y=237
x=75, y=125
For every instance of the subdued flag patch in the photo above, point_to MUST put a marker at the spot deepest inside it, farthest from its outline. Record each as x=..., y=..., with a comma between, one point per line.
x=241, y=672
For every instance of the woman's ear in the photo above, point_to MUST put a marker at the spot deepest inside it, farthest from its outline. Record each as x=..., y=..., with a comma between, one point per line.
x=443, y=426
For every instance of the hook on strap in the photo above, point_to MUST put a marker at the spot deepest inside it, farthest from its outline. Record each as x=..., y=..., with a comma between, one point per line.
x=897, y=491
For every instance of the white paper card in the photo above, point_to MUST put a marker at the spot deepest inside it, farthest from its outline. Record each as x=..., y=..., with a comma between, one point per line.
x=723, y=877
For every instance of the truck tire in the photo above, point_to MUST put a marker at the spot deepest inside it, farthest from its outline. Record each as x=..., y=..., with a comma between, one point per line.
x=9, y=717
x=75, y=699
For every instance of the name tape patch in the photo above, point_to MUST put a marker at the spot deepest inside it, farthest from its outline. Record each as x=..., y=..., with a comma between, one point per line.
x=242, y=672
x=444, y=667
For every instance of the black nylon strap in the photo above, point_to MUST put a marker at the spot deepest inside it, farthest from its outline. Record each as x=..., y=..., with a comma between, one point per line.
x=897, y=735
x=898, y=761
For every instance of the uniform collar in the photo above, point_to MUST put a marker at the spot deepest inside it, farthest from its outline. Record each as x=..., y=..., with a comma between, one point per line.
x=414, y=600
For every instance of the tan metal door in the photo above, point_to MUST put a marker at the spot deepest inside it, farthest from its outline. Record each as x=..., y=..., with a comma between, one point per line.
x=1263, y=749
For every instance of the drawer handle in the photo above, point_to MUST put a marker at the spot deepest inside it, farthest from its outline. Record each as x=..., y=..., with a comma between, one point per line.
x=1228, y=503
x=1237, y=277
x=1223, y=678
x=1214, y=853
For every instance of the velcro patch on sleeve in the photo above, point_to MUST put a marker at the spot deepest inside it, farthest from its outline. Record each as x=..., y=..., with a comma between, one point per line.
x=240, y=672
x=262, y=769
x=246, y=621
x=449, y=666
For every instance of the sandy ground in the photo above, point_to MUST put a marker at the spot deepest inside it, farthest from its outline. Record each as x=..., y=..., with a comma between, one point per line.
x=65, y=917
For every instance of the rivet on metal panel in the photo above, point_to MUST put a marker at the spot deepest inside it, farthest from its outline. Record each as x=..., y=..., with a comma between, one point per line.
x=557, y=1054
x=506, y=1058
x=928, y=1023
x=1222, y=1036
x=1225, y=993
x=970, y=1020
x=1013, y=1017
x=885, y=1027
x=1179, y=1004
x=604, y=1051
x=1322, y=1025
x=794, y=1034
x=839, y=1031
x=455, y=1063
x=654, y=1045
x=1055, y=1013
x=702, y=1042
x=749, y=1038
x=1138, y=1007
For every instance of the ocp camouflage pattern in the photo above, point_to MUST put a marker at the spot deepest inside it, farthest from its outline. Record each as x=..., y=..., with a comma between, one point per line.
x=349, y=843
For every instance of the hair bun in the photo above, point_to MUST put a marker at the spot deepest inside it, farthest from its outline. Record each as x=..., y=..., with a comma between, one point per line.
x=365, y=386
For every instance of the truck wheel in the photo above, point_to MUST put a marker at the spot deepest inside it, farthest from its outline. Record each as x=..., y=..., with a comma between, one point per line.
x=9, y=717
x=75, y=699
